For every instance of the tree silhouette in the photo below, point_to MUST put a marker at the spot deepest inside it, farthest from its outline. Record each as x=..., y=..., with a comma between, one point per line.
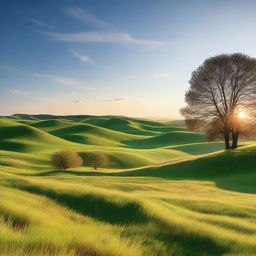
x=220, y=88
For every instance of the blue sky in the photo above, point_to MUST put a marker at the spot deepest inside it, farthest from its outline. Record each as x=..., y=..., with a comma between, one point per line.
x=120, y=57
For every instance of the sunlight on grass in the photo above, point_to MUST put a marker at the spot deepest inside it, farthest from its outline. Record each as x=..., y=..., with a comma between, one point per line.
x=164, y=191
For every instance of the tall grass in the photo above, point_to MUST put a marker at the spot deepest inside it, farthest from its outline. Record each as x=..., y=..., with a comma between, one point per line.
x=175, y=202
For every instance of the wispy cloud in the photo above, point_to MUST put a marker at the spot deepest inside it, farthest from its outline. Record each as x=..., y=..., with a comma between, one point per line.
x=108, y=33
x=69, y=81
x=11, y=68
x=18, y=92
x=65, y=80
x=103, y=37
x=83, y=15
x=82, y=57
x=111, y=100
x=38, y=22
x=78, y=101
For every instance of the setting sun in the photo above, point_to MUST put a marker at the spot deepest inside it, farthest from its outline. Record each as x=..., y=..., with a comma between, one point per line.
x=242, y=115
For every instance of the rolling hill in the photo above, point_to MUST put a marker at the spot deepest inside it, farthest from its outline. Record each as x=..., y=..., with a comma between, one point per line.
x=168, y=139
x=20, y=137
x=164, y=191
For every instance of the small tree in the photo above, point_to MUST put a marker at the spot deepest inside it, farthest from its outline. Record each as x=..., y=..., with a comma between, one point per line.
x=95, y=160
x=219, y=89
x=66, y=158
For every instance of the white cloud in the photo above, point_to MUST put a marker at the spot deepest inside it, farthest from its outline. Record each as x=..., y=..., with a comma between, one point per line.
x=82, y=57
x=65, y=80
x=103, y=37
x=83, y=15
x=18, y=92
x=38, y=22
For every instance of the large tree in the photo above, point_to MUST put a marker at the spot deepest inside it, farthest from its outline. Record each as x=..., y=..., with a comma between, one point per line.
x=222, y=93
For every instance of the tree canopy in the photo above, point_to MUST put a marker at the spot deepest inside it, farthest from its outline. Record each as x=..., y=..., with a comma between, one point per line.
x=222, y=93
x=66, y=158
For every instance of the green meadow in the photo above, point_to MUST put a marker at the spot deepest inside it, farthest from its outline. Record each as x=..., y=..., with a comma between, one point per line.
x=164, y=191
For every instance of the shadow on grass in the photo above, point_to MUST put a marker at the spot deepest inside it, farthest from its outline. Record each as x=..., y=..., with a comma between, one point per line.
x=58, y=172
x=177, y=240
x=167, y=139
x=13, y=146
x=200, y=148
x=114, y=211
x=15, y=221
x=189, y=244
x=231, y=170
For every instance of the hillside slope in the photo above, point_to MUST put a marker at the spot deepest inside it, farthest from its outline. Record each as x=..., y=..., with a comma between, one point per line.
x=168, y=139
x=19, y=137
x=164, y=191
x=234, y=170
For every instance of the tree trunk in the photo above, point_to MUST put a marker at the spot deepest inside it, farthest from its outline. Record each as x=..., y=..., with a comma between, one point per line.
x=235, y=136
x=227, y=137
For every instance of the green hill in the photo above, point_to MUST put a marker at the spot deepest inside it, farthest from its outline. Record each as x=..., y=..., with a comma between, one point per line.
x=163, y=191
x=19, y=137
x=126, y=126
x=167, y=139
x=95, y=121
x=51, y=124
x=93, y=135
x=224, y=168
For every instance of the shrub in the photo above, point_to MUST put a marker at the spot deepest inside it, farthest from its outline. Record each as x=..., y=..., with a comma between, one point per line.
x=95, y=160
x=66, y=158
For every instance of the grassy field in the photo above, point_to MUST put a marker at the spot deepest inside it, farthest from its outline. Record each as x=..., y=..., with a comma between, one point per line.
x=164, y=192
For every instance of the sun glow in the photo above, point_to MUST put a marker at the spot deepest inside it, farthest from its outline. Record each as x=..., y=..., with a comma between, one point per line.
x=242, y=115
